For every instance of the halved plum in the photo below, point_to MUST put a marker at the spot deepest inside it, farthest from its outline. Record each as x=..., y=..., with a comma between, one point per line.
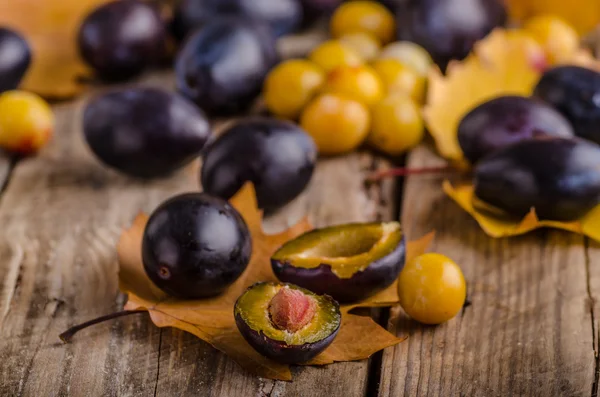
x=349, y=262
x=287, y=323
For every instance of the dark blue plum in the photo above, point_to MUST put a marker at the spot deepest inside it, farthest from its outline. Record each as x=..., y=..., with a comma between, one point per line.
x=505, y=120
x=195, y=246
x=448, y=29
x=283, y=16
x=122, y=38
x=15, y=58
x=277, y=156
x=559, y=177
x=145, y=132
x=223, y=65
x=575, y=92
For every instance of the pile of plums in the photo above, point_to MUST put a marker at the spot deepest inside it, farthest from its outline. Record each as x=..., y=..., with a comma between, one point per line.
x=228, y=47
x=541, y=152
x=196, y=245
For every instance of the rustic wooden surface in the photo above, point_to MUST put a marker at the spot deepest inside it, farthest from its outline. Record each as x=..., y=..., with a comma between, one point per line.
x=61, y=214
x=531, y=329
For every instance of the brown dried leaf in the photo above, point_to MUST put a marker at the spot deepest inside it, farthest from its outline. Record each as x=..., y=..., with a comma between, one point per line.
x=212, y=319
x=50, y=27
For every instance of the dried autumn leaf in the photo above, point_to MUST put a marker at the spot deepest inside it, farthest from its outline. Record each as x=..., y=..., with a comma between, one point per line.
x=50, y=27
x=504, y=63
x=493, y=226
x=584, y=15
x=212, y=319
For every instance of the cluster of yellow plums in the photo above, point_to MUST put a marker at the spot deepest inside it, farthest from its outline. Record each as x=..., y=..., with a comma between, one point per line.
x=355, y=87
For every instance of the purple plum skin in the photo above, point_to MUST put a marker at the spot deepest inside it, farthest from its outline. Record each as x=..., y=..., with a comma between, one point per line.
x=505, y=120
x=448, y=29
x=559, y=177
x=282, y=16
x=277, y=156
x=222, y=66
x=15, y=58
x=145, y=132
x=379, y=275
x=574, y=91
x=121, y=39
x=202, y=241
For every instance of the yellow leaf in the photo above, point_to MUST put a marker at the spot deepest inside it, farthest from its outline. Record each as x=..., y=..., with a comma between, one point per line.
x=584, y=15
x=493, y=226
x=212, y=319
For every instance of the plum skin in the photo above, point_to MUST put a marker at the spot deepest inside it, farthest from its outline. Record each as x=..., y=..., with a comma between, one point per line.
x=379, y=275
x=15, y=58
x=277, y=156
x=222, y=66
x=122, y=38
x=574, y=92
x=505, y=120
x=283, y=16
x=558, y=177
x=445, y=34
x=202, y=242
x=145, y=132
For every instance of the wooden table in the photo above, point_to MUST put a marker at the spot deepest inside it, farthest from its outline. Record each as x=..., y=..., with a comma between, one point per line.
x=531, y=328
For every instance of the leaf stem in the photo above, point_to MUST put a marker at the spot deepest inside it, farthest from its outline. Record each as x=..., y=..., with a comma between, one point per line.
x=403, y=171
x=68, y=334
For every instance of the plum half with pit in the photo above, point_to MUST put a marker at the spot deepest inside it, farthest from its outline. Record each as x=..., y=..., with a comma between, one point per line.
x=195, y=246
x=505, y=120
x=222, y=66
x=145, y=132
x=120, y=39
x=575, y=92
x=448, y=29
x=15, y=58
x=558, y=177
x=282, y=16
x=277, y=156
x=348, y=262
x=287, y=323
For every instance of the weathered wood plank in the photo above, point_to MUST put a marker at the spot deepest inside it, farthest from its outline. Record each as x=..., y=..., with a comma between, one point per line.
x=61, y=215
x=528, y=330
x=336, y=194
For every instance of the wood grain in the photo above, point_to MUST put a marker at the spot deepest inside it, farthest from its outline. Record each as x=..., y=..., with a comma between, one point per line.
x=61, y=215
x=528, y=331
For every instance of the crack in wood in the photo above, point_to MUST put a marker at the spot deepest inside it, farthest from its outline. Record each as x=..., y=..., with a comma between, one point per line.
x=158, y=361
x=53, y=307
x=263, y=392
x=595, y=332
x=12, y=281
